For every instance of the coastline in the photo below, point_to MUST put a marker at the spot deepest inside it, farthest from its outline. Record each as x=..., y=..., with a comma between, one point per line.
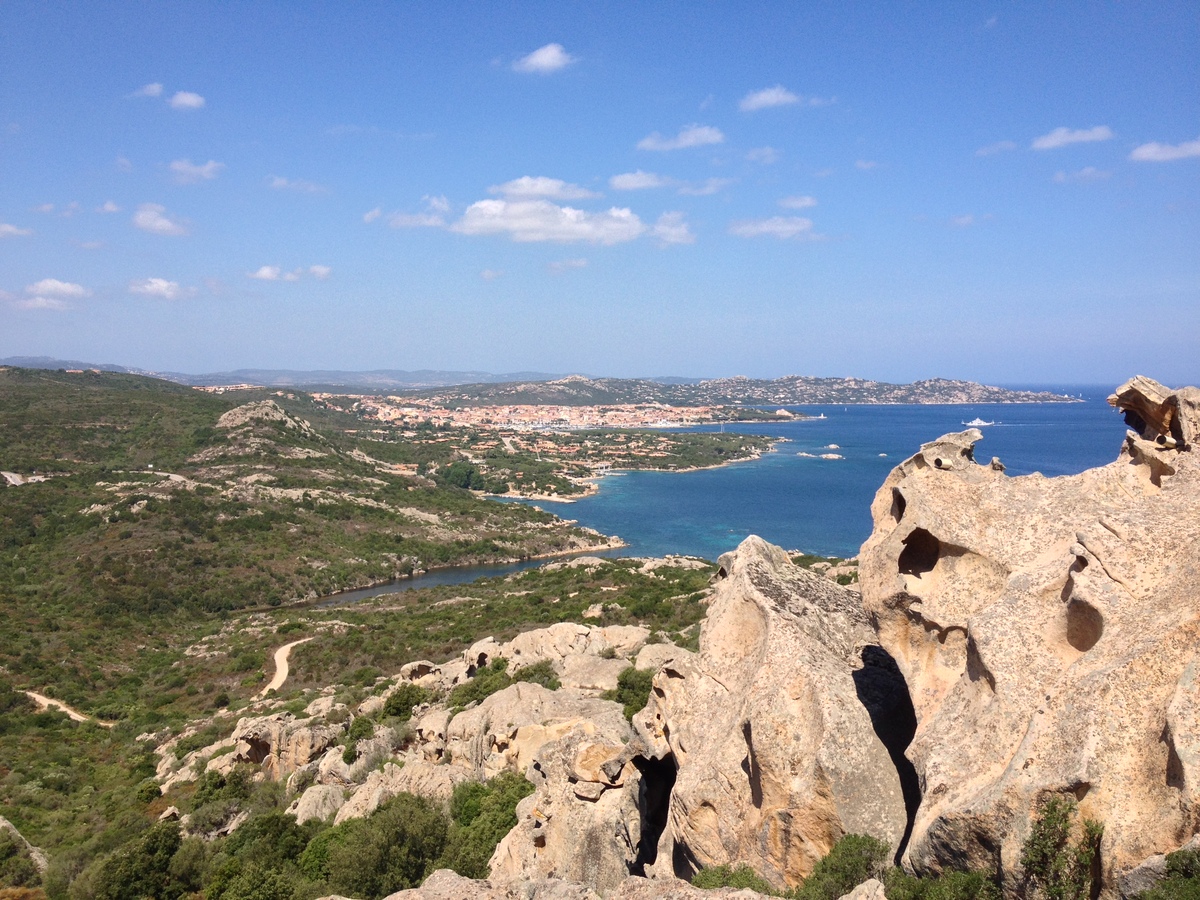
x=592, y=484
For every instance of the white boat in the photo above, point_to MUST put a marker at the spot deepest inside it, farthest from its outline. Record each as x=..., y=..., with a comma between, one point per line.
x=979, y=423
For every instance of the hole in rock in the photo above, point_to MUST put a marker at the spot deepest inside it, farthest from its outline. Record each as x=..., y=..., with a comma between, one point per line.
x=1175, y=774
x=654, y=800
x=751, y=768
x=920, y=553
x=883, y=692
x=899, y=504
x=1085, y=625
x=259, y=750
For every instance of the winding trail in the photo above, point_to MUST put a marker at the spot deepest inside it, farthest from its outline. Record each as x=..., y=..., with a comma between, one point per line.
x=281, y=667
x=44, y=702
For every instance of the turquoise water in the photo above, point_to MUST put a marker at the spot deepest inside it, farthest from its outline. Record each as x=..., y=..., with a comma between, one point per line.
x=823, y=506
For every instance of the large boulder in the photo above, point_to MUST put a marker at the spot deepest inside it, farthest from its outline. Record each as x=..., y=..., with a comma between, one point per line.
x=583, y=823
x=279, y=743
x=506, y=730
x=772, y=752
x=446, y=885
x=1048, y=630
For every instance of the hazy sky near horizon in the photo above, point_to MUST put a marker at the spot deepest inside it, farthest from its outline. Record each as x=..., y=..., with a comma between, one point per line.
x=1007, y=192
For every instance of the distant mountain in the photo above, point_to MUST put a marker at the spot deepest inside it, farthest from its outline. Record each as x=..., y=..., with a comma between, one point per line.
x=318, y=379
x=792, y=390
x=541, y=388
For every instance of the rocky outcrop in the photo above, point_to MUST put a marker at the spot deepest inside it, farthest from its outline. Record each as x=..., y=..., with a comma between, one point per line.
x=583, y=823
x=279, y=743
x=446, y=885
x=1048, y=630
x=318, y=802
x=762, y=740
x=506, y=730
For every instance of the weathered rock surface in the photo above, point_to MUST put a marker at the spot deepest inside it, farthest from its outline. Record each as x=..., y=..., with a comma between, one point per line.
x=446, y=885
x=508, y=728
x=279, y=743
x=415, y=777
x=318, y=802
x=583, y=822
x=775, y=752
x=1048, y=630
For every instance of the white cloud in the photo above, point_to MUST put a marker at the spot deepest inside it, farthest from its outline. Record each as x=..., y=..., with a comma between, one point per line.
x=544, y=60
x=416, y=220
x=154, y=89
x=275, y=273
x=438, y=204
x=964, y=221
x=1086, y=174
x=372, y=214
x=186, y=100
x=286, y=184
x=781, y=227
x=156, y=287
x=108, y=207
x=798, y=202
x=188, y=172
x=41, y=303
x=1156, y=152
x=52, y=287
x=637, y=181
x=47, y=208
x=565, y=265
x=7, y=230
x=1062, y=136
x=705, y=188
x=768, y=97
x=151, y=217
x=491, y=274
x=540, y=220
x=689, y=136
x=866, y=165
x=672, y=229
x=998, y=147
x=764, y=155
x=124, y=165
x=531, y=188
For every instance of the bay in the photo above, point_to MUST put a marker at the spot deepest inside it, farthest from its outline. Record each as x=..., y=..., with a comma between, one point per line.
x=822, y=506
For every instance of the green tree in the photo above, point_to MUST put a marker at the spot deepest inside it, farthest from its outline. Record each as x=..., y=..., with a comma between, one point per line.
x=1057, y=867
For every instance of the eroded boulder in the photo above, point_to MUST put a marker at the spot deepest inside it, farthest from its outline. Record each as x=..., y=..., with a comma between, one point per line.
x=773, y=753
x=1048, y=631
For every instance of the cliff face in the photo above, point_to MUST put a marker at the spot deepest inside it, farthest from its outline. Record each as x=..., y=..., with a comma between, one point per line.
x=1048, y=631
x=769, y=730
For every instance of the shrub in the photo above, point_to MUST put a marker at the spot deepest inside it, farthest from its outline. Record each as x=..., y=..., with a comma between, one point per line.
x=726, y=876
x=853, y=859
x=899, y=885
x=482, y=815
x=1181, y=881
x=391, y=850
x=141, y=868
x=539, y=673
x=402, y=700
x=633, y=690
x=1057, y=867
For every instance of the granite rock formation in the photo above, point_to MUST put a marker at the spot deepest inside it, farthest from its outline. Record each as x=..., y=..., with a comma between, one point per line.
x=1048, y=630
x=772, y=750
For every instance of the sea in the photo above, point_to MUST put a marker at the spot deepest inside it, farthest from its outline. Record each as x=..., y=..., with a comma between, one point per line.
x=822, y=506
x=796, y=499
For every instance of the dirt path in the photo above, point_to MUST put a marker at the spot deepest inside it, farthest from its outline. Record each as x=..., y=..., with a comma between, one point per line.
x=44, y=702
x=281, y=667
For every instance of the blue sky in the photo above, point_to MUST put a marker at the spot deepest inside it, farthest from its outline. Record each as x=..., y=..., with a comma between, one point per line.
x=1008, y=192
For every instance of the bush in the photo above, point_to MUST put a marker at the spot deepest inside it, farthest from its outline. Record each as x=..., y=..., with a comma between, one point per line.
x=633, y=690
x=1057, y=867
x=391, y=850
x=539, y=673
x=853, y=860
x=899, y=885
x=482, y=815
x=726, y=876
x=402, y=700
x=141, y=868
